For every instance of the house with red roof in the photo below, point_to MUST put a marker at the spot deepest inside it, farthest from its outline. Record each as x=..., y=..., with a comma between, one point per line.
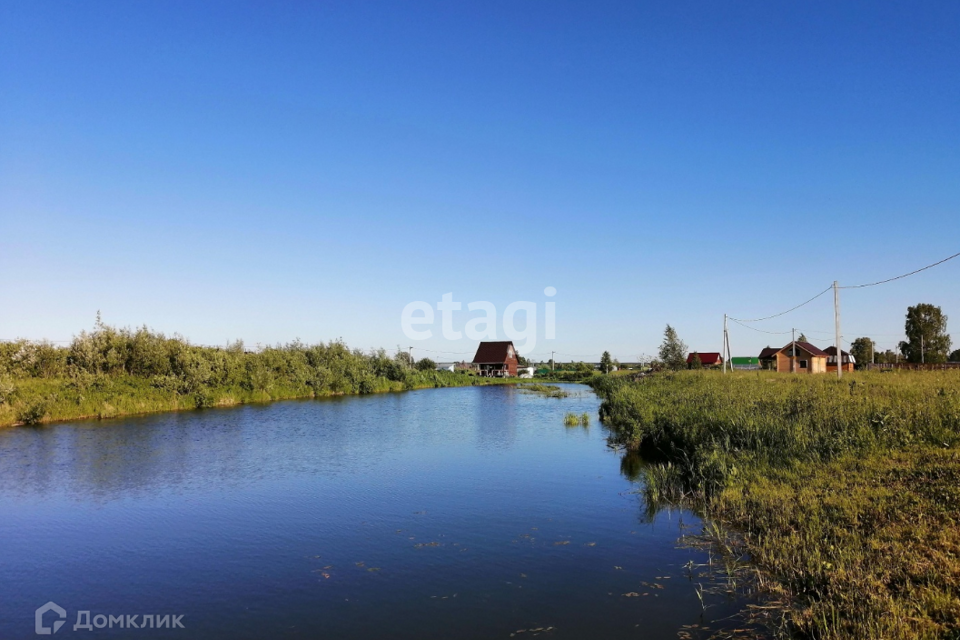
x=707, y=359
x=496, y=359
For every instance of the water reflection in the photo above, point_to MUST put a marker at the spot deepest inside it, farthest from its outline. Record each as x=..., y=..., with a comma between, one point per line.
x=266, y=521
x=631, y=465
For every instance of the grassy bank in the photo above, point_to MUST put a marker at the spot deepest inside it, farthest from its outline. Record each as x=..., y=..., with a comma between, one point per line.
x=38, y=401
x=113, y=372
x=846, y=494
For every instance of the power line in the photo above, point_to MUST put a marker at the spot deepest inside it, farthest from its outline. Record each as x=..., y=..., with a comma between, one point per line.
x=900, y=277
x=457, y=353
x=746, y=326
x=783, y=313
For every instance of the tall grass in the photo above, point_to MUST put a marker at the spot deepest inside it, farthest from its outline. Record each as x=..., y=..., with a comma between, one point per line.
x=110, y=372
x=845, y=493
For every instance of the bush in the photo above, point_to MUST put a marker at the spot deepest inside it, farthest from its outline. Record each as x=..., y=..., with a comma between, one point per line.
x=426, y=364
x=7, y=389
x=33, y=413
x=204, y=399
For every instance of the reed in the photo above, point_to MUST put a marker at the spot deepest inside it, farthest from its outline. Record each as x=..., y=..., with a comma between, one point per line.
x=846, y=494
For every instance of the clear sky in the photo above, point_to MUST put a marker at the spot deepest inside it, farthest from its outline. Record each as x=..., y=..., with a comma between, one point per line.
x=271, y=171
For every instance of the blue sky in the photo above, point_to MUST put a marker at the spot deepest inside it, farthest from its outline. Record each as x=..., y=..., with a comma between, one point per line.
x=269, y=171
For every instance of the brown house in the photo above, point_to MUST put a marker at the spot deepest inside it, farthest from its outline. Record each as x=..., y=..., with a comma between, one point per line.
x=768, y=359
x=496, y=359
x=795, y=357
x=847, y=360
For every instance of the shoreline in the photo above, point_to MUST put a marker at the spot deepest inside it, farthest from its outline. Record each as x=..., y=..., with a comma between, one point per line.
x=186, y=402
x=845, y=496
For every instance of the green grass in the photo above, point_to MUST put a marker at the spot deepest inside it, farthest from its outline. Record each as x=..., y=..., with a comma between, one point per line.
x=113, y=372
x=40, y=400
x=846, y=494
x=574, y=420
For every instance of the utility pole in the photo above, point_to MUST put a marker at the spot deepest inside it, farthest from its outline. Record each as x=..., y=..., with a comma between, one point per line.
x=553, y=355
x=793, y=354
x=836, y=319
x=922, y=355
x=411, y=358
x=724, y=345
x=729, y=353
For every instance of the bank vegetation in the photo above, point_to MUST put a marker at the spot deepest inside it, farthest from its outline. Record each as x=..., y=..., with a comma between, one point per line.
x=845, y=494
x=110, y=372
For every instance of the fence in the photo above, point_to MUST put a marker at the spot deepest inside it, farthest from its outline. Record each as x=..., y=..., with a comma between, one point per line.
x=913, y=366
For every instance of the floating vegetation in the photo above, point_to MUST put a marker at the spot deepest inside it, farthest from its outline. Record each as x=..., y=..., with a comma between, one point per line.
x=546, y=390
x=574, y=420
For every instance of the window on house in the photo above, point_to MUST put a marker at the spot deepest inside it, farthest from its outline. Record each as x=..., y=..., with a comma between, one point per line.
x=803, y=364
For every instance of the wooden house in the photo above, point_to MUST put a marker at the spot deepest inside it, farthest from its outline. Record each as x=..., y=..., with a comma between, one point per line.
x=848, y=360
x=795, y=357
x=496, y=359
x=768, y=359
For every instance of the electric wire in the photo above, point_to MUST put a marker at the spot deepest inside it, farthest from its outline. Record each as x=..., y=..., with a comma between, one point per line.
x=783, y=313
x=900, y=277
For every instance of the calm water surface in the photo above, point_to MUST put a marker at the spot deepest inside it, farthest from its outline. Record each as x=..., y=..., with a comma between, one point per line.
x=468, y=513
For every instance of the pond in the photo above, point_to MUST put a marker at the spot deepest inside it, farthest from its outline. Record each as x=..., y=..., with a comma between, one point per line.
x=466, y=512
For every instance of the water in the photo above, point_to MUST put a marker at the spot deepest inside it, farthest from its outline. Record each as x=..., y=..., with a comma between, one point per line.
x=468, y=513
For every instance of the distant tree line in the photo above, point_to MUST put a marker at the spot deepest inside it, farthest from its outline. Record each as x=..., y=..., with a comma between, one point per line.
x=927, y=340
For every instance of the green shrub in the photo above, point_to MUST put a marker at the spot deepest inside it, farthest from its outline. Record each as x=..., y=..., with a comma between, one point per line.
x=426, y=364
x=32, y=413
x=7, y=390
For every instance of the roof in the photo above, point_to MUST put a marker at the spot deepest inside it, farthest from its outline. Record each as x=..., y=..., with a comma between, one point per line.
x=832, y=351
x=494, y=352
x=805, y=346
x=768, y=352
x=832, y=355
x=707, y=357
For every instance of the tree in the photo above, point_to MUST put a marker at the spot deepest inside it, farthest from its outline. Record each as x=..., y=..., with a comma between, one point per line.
x=426, y=364
x=803, y=337
x=862, y=350
x=695, y=361
x=886, y=357
x=606, y=362
x=955, y=356
x=403, y=357
x=672, y=350
x=927, y=338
